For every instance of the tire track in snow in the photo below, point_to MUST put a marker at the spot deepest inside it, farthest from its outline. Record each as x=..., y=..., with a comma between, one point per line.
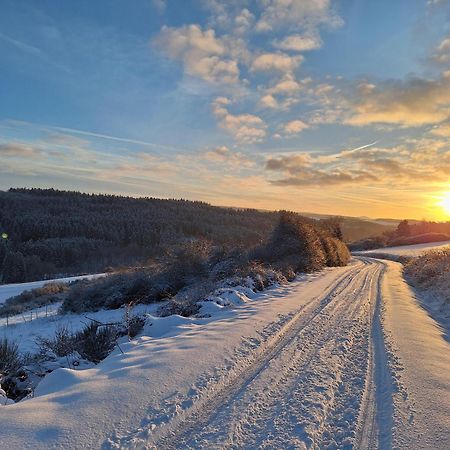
x=304, y=390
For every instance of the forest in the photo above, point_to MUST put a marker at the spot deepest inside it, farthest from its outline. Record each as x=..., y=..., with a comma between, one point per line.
x=46, y=233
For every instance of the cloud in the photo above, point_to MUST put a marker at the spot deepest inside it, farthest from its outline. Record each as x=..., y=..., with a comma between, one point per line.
x=291, y=164
x=224, y=156
x=295, y=14
x=245, y=128
x=294, y=127
x=269, y=101
x=160, y=5
x=243, y=21
x=298, y=43
x=203, y=54
x=322, y=178
x=441, y=130
x=276, y=62
x=287, y=85
x=18, y=149
x=441, y=54
x=423, y=160
x=415, y=102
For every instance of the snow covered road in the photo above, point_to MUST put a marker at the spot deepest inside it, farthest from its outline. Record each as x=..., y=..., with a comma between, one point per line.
x=333, y=379
x=344, y=359
x=306, y=389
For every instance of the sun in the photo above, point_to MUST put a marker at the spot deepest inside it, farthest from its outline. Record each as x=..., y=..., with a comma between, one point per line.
x=445, y=203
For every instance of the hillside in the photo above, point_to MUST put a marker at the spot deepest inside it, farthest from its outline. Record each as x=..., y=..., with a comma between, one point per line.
x=50, y=233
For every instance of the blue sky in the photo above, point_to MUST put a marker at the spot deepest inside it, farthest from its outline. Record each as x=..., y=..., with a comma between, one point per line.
x=262, y=103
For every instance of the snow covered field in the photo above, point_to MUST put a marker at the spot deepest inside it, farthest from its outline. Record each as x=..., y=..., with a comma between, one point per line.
x=11, y=290
x=330, y=361
x=404, y=250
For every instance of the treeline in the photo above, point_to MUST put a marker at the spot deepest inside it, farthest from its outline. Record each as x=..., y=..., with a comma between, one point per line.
x=48, y=233
x=407, y=233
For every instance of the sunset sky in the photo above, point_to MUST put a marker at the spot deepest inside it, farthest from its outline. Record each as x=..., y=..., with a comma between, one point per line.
x=309, y=105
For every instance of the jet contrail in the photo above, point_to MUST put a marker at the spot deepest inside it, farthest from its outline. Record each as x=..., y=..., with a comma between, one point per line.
x=354, y=150
x=362, y=146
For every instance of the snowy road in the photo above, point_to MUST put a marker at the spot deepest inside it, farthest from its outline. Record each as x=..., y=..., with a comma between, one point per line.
x=328, y=382
x=344, y=359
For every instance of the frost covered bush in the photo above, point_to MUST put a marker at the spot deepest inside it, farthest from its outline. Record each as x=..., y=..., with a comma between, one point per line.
x=431, y=271
x=61, y=344
x=95, y=342
x=10, y=359
x=111, y=292
x=189, y=262
x=48, y=294
x=299, y=244
x=135, y=324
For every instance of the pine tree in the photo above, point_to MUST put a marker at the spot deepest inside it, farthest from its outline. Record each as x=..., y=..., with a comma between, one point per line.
x=14, y=270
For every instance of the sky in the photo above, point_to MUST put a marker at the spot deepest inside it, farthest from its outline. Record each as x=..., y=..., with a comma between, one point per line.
x=334, y=107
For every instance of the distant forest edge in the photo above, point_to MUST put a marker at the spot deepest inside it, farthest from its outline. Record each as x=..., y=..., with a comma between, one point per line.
x=48, y=233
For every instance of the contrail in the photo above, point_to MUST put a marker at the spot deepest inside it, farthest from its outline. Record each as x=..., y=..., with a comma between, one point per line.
x=362, y=146
x=114, y=138
x=354, y=150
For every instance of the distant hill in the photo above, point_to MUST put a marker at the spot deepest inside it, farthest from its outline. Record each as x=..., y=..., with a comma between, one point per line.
x=357, y=228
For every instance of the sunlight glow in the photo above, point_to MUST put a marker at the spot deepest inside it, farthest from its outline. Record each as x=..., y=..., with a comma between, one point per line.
x=445, y=203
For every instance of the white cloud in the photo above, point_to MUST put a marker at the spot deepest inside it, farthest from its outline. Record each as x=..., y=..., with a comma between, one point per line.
x=224, y=156
x=294, y=127
x=298, y=43
x=269, y=101
x=245, y=128
x=276, y=62
x=243, y=21
x=442, y=52
x=296, y=14
x=202, y=53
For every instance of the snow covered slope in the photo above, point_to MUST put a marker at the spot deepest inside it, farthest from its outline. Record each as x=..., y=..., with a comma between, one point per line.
x=11, y=290
x=334, y=360
x=404, y=250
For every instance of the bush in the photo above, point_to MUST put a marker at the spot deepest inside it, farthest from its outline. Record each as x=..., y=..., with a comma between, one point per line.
x=296, y=243
x=62, y=344
x=46, y=295
x=95, y=342
x=431, y=271
x=10, y=359
x=135, y=324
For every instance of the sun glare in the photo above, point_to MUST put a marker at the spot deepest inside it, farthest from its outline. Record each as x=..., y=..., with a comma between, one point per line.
x=445, y=203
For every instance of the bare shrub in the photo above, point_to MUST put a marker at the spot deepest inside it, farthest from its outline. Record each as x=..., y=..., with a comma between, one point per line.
x=135, y=325
x=95, y=342
x=62, y=344
x=10, y=359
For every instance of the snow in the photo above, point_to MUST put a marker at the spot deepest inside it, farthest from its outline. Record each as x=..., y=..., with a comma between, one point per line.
x=24, y=329
x=11, y=290
x=342, y=358
x=420, y=359
x=404, y=250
